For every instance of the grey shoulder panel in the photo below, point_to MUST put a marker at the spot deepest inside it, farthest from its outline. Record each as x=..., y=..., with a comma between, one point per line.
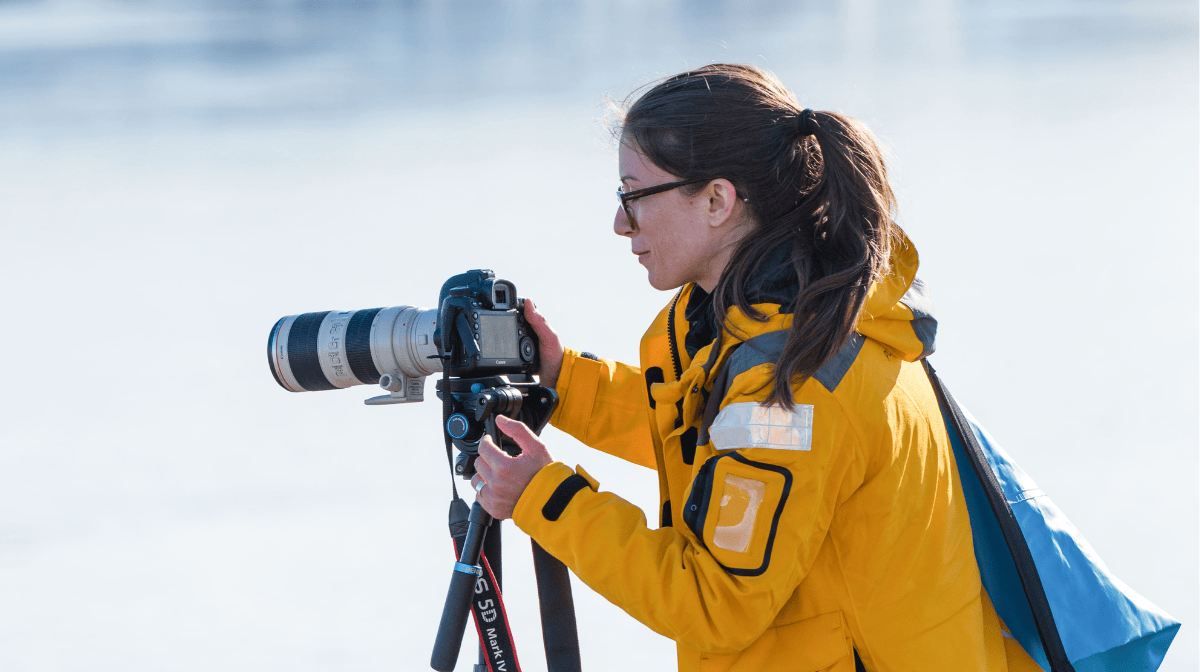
x=762, y=349
x=832, y=372
x=924, y=323
x=766, y=349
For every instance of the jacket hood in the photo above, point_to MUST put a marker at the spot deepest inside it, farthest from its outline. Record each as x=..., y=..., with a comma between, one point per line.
x=898, y=312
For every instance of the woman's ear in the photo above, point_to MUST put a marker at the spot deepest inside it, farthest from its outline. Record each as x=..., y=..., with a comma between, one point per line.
x=721, y=201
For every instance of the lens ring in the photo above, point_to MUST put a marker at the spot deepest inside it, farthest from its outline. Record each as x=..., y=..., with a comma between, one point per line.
x=302, y=352
x=358, y=346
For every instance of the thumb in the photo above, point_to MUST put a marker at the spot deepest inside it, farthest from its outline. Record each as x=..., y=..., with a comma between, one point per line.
x=517, y=431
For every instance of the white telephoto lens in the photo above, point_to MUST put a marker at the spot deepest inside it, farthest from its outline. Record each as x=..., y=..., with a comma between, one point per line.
x=336, y=349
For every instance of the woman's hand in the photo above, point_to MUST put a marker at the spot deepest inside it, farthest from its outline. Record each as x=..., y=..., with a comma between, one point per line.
x=549, y=347
x=505, y=477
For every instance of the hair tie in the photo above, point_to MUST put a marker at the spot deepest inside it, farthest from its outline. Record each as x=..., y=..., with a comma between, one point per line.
x=806, y=123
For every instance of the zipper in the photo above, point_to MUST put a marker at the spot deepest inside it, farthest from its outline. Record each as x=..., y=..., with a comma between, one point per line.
x=671, y=336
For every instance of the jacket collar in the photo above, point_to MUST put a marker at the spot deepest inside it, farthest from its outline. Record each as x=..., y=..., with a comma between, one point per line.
x=898, y=313
x=776, y=285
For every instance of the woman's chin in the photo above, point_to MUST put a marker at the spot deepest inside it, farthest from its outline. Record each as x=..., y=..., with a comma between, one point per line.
x=660, y=283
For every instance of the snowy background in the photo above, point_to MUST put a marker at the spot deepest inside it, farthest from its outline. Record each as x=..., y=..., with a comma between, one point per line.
x=175, y=176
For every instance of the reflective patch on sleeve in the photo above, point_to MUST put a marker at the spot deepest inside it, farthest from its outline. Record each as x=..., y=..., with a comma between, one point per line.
x=751, y=425
x=734, y=508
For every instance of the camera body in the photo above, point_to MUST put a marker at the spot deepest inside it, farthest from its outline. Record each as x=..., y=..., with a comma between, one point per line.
x=481, y=330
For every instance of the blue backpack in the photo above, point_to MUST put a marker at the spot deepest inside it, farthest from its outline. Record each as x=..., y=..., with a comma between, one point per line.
x=1049, y=587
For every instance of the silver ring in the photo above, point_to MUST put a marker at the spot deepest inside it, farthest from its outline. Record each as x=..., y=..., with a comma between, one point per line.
x=479, y=486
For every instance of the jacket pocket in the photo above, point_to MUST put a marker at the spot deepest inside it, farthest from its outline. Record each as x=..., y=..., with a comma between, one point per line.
x=734, y=509
x=817, y=644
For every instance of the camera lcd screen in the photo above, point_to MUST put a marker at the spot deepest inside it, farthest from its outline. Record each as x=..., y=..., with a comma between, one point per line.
x=498, y=336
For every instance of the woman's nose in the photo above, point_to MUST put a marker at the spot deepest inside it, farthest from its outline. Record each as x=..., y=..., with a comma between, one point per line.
x=621, y=224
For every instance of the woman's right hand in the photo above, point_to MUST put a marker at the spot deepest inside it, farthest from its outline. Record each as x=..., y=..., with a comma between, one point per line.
x=550, y=349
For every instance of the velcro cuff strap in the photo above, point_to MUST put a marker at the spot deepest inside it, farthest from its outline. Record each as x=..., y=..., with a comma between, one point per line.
x=592, y=482
x=563, y=495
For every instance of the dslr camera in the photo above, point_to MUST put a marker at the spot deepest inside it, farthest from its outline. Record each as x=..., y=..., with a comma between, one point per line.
x=478, y=330
x=477, y=338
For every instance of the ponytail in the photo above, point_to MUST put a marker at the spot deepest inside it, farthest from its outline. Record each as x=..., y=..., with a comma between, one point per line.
x=841, y=231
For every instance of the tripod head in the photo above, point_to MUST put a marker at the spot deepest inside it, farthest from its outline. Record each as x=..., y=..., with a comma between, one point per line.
x=470, y=407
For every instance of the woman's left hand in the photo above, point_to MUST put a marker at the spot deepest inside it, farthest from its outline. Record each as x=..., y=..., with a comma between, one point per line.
x=506, y=477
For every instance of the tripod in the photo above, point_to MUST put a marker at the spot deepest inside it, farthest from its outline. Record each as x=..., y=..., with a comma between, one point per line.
x=470, y=407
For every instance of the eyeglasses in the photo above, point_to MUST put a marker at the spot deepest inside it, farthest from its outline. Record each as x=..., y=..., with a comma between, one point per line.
x=626, y=196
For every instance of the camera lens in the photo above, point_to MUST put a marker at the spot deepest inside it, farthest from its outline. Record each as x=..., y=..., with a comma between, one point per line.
x=336, y=349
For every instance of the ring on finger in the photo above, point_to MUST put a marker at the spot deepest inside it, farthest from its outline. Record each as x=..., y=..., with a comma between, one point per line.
x=479, y=486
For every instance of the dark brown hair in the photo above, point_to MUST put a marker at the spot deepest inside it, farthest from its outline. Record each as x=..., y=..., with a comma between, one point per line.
x=816, y=185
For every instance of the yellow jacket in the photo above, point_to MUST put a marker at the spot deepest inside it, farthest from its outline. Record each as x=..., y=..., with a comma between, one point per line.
x=789, y=540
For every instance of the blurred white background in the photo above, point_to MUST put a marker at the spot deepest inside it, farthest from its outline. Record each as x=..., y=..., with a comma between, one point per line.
x=176, y=176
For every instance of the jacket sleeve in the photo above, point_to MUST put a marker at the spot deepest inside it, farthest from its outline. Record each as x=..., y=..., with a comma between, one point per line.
x=715, y=582
x=604, y=404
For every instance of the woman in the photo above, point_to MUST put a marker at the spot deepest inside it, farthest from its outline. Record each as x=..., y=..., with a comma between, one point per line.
x=811, y=510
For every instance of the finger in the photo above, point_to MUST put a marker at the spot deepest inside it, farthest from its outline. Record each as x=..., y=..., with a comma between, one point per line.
x=484, y=472
x=491, y=453
x=517, y=431
x=492, y=495
x=483, y=497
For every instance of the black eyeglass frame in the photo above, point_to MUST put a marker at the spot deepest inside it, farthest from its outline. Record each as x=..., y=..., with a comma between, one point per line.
x=625, y=198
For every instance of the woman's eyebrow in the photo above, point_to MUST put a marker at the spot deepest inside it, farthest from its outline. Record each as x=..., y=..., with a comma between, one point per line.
x=628, y=178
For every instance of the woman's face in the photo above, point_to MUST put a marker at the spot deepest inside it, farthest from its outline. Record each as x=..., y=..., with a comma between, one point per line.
x=673, y=237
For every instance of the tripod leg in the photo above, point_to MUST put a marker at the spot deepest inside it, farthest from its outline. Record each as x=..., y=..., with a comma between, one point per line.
x=559, y=632
x=458, y=597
